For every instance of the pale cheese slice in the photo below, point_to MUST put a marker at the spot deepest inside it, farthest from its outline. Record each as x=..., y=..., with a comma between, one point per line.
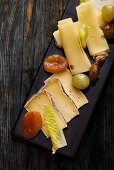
x=56, y=34
x=65, y=21
x=37, y=102
x=104, y=53
x=96, y=41
x=63, y=103
x=76, y=95
x=77, y=58
x=100, y=21
x=57, y=39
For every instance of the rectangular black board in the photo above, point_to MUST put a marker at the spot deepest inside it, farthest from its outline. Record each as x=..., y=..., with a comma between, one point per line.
x=77, y=126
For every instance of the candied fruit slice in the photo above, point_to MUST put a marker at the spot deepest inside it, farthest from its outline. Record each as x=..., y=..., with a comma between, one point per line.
x=31, y=124
x=55, y=63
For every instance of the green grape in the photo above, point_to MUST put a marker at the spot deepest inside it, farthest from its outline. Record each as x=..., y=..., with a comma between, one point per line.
x=108, y=13
x=80, y=81
x=83, y=34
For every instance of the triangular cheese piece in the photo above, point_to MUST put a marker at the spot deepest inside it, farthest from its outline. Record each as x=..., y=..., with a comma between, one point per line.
x=37, y=102
x=76, y=95
x=63, y=103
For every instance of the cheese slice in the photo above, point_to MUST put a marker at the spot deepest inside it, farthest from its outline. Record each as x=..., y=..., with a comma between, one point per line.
x=77, y=58
x=76, y=95
x=65, y=21
x=37, y=102
x=96, y=41
x=100, y=20
x=105, y=53
x=63, y=103
x=56, y=34
x=57, y=39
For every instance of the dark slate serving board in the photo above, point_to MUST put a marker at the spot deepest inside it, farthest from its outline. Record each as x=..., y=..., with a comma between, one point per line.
x=77, y=126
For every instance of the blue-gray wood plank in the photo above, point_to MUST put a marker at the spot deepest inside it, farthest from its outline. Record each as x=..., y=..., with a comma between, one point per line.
x=20, y=58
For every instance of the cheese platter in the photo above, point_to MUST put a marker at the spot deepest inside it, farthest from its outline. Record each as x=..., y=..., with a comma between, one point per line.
x=66, y=110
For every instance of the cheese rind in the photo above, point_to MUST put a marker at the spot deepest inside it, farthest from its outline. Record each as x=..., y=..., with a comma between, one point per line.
x=76, y=95
x=96, y=42
x=77, y=58
x=37, y=102
x=63, y=103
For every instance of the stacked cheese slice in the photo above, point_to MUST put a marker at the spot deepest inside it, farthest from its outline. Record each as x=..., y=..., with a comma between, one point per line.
x=96, y=42
x=56, y=34
x=76, y=95
x=59, y=95
x=67, y=37
x=37, y=102
x=63, y=103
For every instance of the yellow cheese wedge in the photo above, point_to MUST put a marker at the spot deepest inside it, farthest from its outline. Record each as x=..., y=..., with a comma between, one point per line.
x=77, y=58
x=63, y=103
x=56, y=34
x=76, y=95
x=96, y=42
x=37, y=102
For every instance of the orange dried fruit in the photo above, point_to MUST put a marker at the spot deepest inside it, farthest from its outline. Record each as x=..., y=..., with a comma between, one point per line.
x=55, y=63
x=31, y=124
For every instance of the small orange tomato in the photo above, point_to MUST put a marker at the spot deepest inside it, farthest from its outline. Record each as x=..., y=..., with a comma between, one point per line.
x=31, y=124
x=55, y=63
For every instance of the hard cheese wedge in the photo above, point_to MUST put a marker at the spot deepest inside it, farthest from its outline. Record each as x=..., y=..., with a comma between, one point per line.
x=63, y=103
x=96, y=42
x=77, y=58
x=56, y=34
x=76, y=95
x=37, y=102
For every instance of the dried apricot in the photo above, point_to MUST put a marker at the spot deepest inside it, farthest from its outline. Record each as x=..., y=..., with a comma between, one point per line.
x=55, y=63
x=31, y=124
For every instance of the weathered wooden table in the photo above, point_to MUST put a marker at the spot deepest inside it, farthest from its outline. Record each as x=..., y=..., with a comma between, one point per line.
x=21, y=52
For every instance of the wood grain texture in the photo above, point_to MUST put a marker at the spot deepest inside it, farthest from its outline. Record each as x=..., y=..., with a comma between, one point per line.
x=20, y=58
